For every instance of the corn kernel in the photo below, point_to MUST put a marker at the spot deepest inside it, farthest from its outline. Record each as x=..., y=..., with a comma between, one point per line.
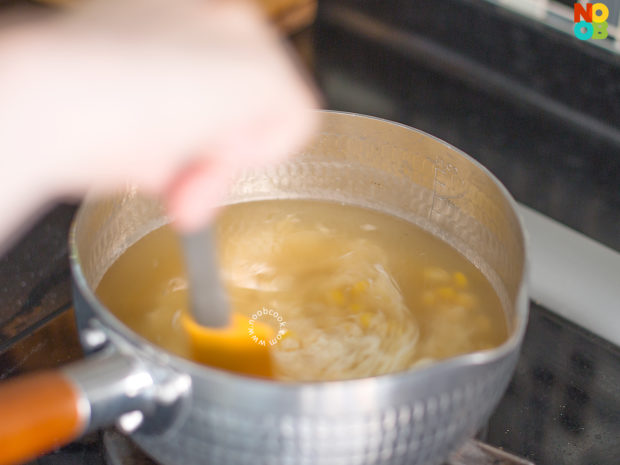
x=360, y=286
x=288, y=334
x=435, y=275
x=337, y=297
x=446, y=293
x=428, y=298
x=355, y=307
x=466, y=300
x=365, y=319
x=460, y=280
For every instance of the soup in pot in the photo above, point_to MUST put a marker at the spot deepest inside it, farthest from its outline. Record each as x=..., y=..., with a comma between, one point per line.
x=351, y=292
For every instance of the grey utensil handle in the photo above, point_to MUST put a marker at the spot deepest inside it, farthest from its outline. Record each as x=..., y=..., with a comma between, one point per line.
x=208, y=298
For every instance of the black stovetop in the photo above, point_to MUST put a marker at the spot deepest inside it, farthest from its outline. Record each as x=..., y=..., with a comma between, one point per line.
x=561, y=407
x=487, y=94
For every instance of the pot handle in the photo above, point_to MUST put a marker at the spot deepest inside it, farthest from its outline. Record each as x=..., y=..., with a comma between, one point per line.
x=42, y=411
x=39, y=412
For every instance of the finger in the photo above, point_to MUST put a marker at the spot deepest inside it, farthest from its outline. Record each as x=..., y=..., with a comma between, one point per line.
x=193, y=198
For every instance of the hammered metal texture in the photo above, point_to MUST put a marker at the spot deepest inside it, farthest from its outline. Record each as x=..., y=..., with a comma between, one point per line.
x=415, y=417
x=422, y=431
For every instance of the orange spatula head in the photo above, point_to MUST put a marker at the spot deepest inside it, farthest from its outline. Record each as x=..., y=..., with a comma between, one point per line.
x=242, y=346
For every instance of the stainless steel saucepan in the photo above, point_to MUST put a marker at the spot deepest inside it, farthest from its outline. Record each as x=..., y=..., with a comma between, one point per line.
x=181, y=412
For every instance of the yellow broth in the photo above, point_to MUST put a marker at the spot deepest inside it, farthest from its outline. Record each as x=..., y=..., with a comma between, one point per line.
x=351, y=292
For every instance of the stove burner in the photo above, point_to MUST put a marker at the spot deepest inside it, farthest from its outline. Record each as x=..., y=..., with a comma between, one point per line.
x=120, y=450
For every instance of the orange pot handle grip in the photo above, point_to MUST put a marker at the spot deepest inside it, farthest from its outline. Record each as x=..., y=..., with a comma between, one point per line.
x=38, y=413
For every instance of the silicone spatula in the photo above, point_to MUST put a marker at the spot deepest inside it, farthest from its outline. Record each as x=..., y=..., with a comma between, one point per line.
x=219, y=337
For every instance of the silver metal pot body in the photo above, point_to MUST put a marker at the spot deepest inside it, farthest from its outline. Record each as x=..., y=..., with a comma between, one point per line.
x=192, y=414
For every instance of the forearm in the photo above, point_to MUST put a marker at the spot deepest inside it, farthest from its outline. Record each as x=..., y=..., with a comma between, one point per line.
x=23, y=188
x=98, y=96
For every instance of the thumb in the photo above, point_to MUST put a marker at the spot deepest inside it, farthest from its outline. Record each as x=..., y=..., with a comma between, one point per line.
x=193, y=198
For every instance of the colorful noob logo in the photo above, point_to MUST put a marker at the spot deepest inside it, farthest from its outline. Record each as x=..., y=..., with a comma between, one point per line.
x=591, y=21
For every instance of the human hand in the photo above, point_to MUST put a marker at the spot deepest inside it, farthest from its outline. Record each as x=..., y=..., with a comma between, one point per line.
x=172, y=96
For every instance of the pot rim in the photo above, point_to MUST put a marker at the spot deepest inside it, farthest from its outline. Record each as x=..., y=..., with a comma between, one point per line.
x=161, y=356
